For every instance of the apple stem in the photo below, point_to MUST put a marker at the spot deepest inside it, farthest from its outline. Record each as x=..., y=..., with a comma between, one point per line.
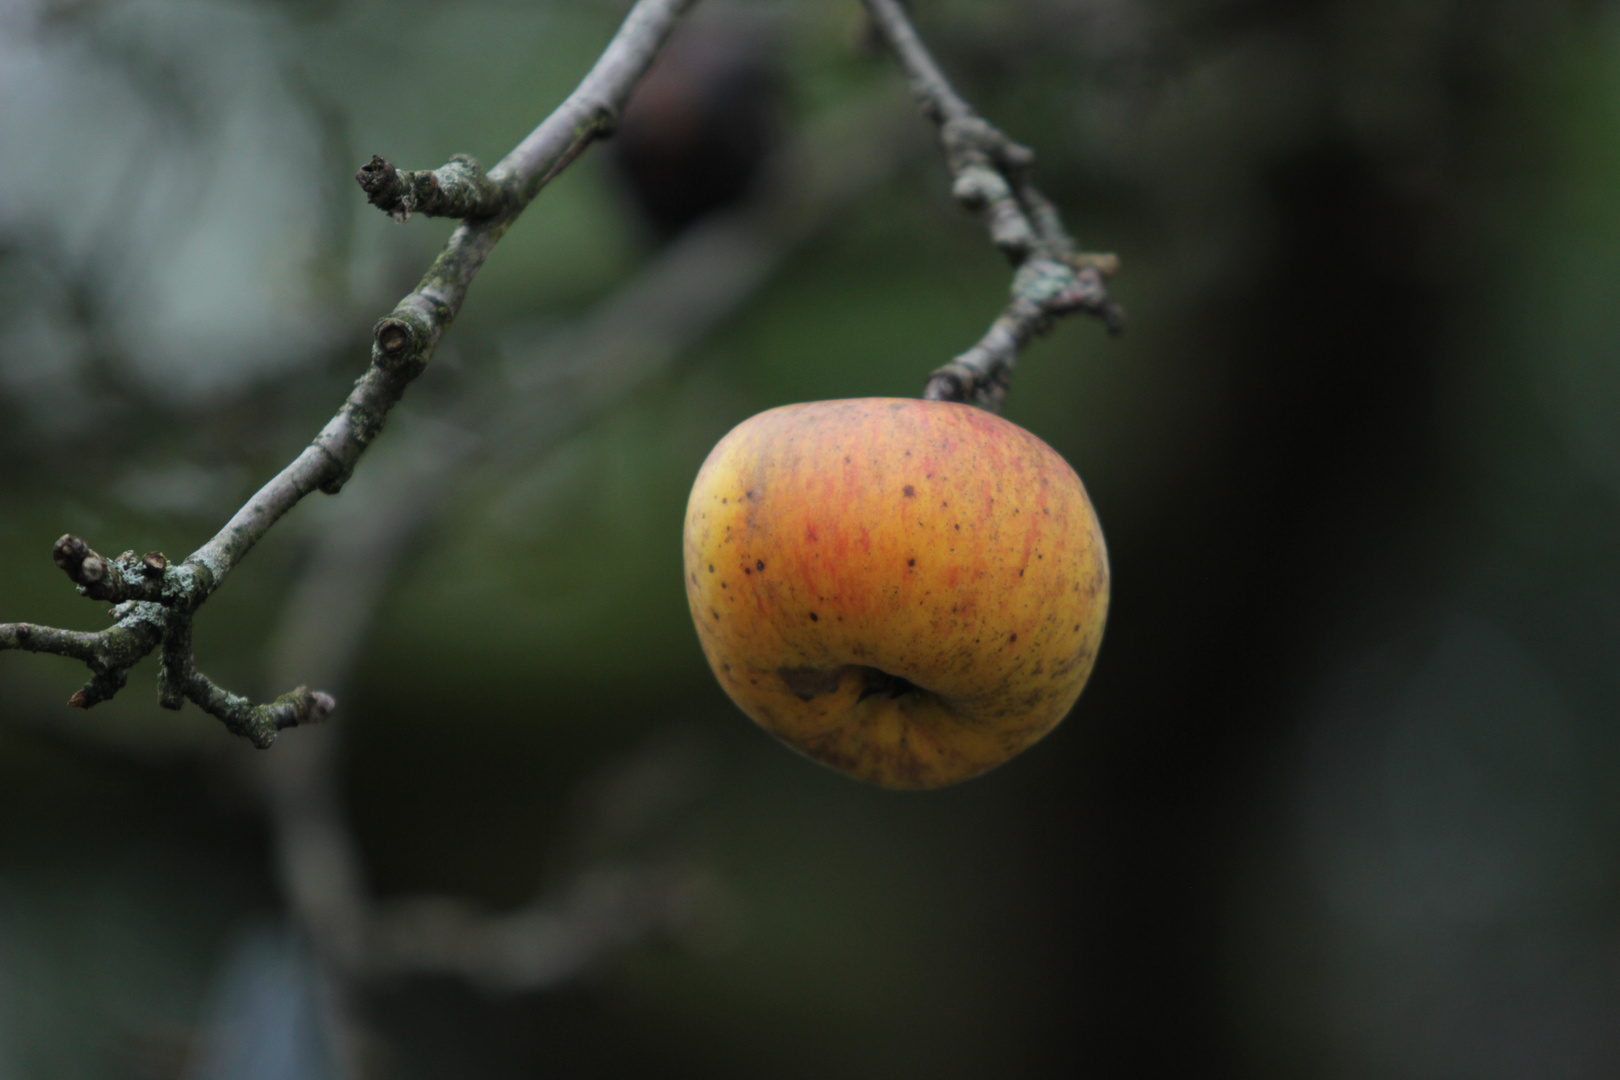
x=990, y=175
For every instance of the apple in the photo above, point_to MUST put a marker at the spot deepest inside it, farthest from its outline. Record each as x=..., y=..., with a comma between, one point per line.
x=911, y=592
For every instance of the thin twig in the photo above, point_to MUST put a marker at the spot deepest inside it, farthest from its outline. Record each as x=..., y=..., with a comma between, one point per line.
x=990, y=174
x=157, y=599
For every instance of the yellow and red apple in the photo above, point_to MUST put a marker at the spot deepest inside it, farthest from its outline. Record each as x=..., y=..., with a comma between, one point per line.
x=909, y=591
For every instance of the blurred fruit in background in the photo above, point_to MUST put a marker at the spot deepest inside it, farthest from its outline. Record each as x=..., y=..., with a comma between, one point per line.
x=705, y=118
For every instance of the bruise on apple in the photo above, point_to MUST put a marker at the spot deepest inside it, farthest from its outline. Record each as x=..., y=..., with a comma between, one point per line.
x=911, y=592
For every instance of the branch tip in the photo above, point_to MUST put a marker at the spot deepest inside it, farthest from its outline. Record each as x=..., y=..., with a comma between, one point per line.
x=103, y=686
x=458, y=188
x=69, y=554
x=376, y=175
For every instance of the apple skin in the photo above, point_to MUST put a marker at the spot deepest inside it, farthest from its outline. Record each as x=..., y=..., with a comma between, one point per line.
x=911, y=592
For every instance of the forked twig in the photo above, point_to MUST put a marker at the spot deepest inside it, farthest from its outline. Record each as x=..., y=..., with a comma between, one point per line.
x=155, y=599
x=991, y=174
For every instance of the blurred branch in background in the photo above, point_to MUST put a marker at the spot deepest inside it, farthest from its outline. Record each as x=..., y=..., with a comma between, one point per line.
x=157, y=600
x=990, y=173
x=551, y=391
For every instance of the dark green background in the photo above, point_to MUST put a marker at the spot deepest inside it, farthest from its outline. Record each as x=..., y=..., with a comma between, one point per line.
x=1340, y=798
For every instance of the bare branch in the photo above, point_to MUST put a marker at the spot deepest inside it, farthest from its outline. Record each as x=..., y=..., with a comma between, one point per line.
x=109, y=653
x=259, y=724
x=157, y=599
x=990, y=174
x=544, y=944
x=406, y=339
x=459, y=189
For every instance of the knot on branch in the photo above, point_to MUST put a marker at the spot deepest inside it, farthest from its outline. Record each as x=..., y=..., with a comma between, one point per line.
x=988, y=170
x=130, y=578
x=402, y=343
x=1058, y=287
x=395, y=342
x=1090, y=292
x=402, y=340
x=603, y=118
x=969, y=137
x=458, y=189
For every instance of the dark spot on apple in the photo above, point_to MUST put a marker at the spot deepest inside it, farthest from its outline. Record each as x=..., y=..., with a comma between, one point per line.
x=759, y=564
x=723, y=585
x=959, y=528
x=748, y=570
x=727, y=666
x=1012, y=639
x=711, y=568
x=715, y=613
x=1077, y=628
x=750, y=496
x=806, y=683
x=814, y=617
x=724, y=501
x=911, y=492
x=911, y=562
x=876, y=683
